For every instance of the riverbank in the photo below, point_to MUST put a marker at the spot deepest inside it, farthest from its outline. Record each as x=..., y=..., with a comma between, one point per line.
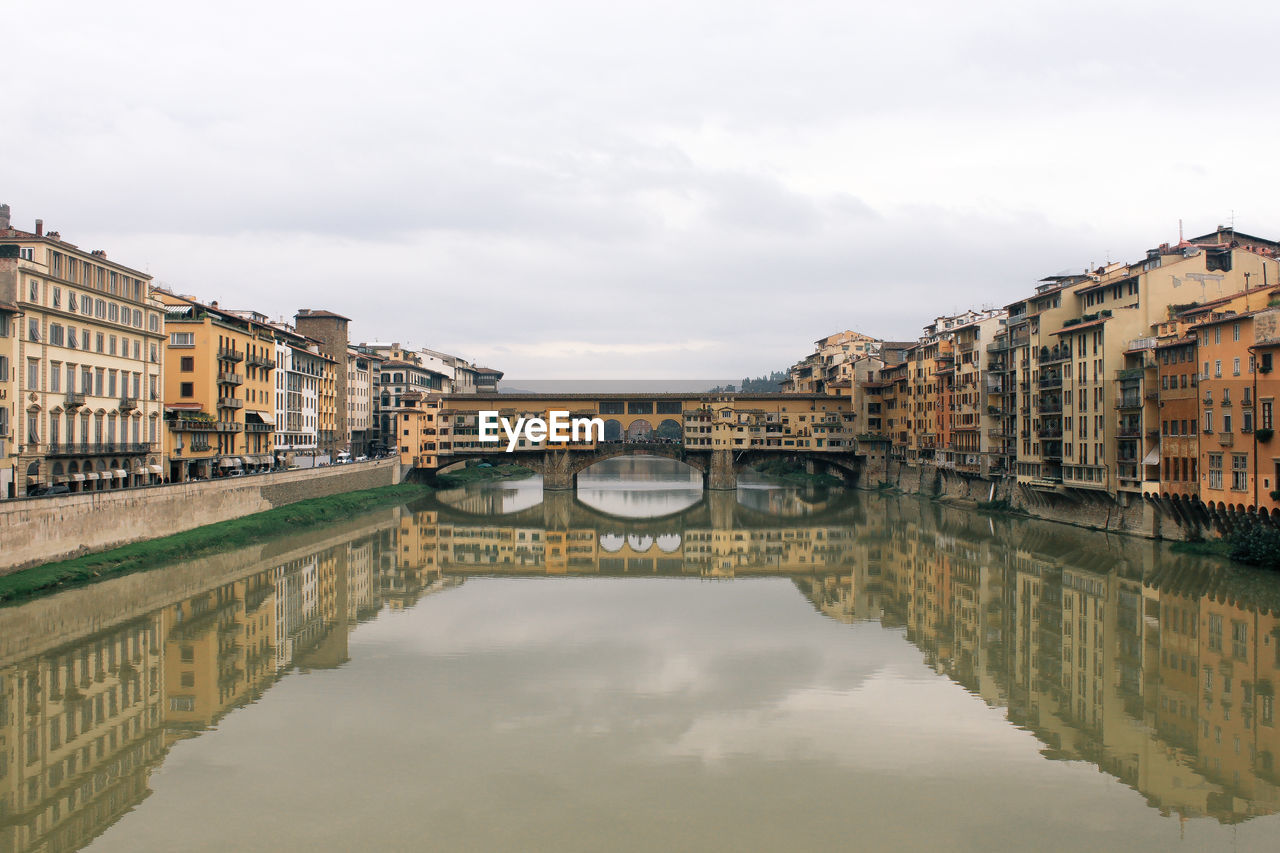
x=202, y=541
x=63, y=527
x=479, y=474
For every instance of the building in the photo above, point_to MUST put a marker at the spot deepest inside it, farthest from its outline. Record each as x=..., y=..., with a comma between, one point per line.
x=362, y=375
x=305, y=400
x=329, y=330
x=219, y=396
x=81, y=347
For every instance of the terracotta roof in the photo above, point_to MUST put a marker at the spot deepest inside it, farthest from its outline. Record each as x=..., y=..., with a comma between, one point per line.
x=307, y=312
x=1067, y=330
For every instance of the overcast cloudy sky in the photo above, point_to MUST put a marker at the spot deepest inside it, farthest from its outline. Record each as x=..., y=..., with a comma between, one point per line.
x=574, y=189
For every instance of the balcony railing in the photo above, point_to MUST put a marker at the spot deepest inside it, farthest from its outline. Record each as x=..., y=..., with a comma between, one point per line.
x=128, y=404
x=1052, y=380
x=74, y=399
x=227, y=354
x=258, y=427
x=1226, y=439
x=185, y=425
x=261, y=361
x=230, y=403
x=228, y=378
x=97, y=448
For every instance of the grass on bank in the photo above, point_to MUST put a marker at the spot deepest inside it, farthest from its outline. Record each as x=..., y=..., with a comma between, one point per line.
x=1253, y=544
x=478, y=474
x=201, y=541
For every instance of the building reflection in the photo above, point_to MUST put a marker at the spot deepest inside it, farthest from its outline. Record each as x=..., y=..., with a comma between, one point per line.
x=1157, y=669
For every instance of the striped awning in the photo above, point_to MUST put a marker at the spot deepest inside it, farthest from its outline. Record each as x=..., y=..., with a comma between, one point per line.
x=92, y=475
x=78, y=478
x=122, y=474
x=155, y=469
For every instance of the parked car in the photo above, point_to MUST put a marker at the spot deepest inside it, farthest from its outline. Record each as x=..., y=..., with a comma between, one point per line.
x=236, y=472
x=42, y=491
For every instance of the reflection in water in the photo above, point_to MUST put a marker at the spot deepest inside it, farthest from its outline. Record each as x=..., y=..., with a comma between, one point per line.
x=640, y=486
x=1101, y=653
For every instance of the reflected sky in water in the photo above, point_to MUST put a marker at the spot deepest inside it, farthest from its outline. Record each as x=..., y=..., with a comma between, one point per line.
x=882, y=673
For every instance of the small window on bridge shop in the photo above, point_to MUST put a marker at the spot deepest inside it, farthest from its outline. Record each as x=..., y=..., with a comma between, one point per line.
x=670, y=407
x=611, y=407
x=640, y=407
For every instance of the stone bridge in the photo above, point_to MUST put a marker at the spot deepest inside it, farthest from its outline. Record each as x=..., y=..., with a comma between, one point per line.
x=716, y=434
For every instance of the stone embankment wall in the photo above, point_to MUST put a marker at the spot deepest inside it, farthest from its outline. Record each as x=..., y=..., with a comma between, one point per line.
x=40, y=530
x=1084, y=509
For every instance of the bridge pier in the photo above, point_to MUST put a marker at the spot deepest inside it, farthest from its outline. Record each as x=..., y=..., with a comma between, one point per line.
x=557, y=471
x=721, y=474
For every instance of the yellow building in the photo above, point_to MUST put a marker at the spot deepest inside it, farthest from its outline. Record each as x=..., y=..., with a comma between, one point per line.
x=218, y=390
x=81, y=341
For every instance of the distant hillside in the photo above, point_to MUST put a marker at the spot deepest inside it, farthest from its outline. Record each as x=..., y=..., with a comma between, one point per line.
x=771, y=384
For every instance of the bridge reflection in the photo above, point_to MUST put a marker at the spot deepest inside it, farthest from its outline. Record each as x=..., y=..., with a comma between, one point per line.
x=1157, y=669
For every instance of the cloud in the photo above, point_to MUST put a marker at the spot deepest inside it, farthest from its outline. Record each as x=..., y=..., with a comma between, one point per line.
x=497, y=180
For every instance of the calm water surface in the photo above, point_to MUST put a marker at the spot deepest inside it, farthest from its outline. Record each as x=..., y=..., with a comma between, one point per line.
x=642, y=666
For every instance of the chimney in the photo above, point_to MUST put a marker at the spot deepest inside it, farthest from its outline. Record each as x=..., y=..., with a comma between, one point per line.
x=39, y=227
x=4, y=216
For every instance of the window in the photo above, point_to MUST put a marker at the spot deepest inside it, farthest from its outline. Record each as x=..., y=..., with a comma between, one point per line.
x=33, y=329
x=55, y=376
x=1239, y=472
x=188, y=389
x=182, y=339
x=72, y=305
x=57, y=297
x=1217, y=369
x=1266, y=414
x=33, y=374
x=1208, y=420
x=188, y=364
x=1215, y=470
x=1235, y=367
x=1226, y=422
x=56, y=334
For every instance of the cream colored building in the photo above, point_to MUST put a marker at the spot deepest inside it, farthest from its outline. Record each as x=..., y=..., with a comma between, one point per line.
x=81, y=338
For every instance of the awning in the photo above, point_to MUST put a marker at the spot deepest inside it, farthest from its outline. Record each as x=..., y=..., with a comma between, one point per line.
x=92, y=475
x=77, y=478
x=1152, y=458
x=106, y=475
x=256, y=418
x=228, y=462
x=122, y=474
x=61, y=478
x=155, y=469
x=248, y=460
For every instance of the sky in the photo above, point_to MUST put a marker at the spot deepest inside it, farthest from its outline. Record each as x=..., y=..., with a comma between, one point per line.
x=569, y=190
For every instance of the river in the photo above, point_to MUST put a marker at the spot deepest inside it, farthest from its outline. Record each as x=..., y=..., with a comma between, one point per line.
x=644, y=666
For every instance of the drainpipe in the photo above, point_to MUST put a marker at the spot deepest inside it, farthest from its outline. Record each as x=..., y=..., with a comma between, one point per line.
x=1254, y=359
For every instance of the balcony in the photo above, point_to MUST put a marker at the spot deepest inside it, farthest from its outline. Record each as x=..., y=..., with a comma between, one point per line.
x=1129, y=401
x=74, y=400
x=261, y=360
x=1049, y=433
x=258, y=427
x=227, y=354
x=98, y=448
x=230, y=403
x=1226, y=439
x=1055, y=355
x=227, y=378
x=1050, y=407
x=128, y=404
x=1051, y=380
x=185, y=425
